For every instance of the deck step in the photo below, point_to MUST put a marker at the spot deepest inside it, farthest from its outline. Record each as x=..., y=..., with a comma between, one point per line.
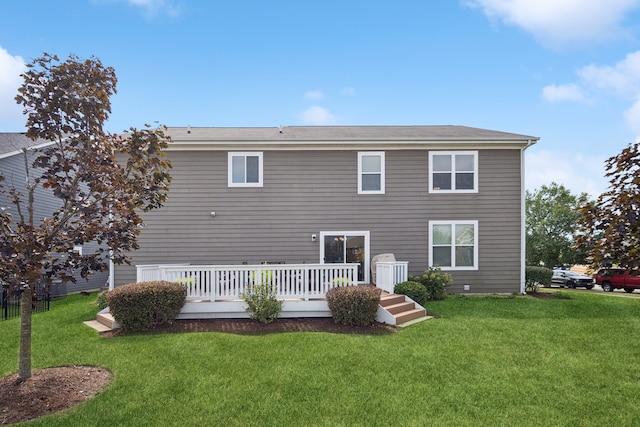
x=402, y=310
x=391, y=299
x=400, y=307
x=409, y=315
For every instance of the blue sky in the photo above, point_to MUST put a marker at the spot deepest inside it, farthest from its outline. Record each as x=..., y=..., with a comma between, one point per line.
x=566, y=71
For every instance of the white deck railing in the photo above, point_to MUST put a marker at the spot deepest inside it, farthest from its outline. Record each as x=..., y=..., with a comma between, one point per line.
x=229, y=282
x=389, y=274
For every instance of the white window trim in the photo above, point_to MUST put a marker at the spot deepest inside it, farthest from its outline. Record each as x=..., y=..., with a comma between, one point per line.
x=230, y=157
x=453, y=180
x=382, y=172
x=453, y=246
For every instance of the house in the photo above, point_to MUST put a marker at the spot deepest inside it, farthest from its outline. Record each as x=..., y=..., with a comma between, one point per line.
x=451, y=196
x=12, y=167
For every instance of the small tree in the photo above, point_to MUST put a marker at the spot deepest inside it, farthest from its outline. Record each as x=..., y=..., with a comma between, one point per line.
x=551, y=215
x=102, y=182
x=609, y=228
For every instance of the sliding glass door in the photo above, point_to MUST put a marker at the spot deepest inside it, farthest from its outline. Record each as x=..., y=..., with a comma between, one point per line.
x=346, y=247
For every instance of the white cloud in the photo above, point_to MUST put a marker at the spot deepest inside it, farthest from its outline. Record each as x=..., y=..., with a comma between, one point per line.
x=577, y=172
x=622, y=78
x=317, y=115
x=632, y=117
x=561, y=21
x=569, y=92
x=152, y=7
x=10, y=69
x=314, y=95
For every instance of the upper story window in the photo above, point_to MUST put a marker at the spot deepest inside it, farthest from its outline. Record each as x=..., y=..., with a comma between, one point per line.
x=245, y=169
x=453, y=171
x=371, y=172
x=453, y=245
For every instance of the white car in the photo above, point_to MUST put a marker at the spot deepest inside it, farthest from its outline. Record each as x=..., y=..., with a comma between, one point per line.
x=571, y=279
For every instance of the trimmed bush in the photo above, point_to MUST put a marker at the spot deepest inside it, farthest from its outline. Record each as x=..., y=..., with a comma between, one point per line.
x=435, y=282
x=138, y=306
x=101, y=300
x=354, y=305
x=262, y=304
x=535, y=277
x=414, y=290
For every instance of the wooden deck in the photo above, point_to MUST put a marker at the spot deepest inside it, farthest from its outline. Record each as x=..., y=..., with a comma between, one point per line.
x=215, y=291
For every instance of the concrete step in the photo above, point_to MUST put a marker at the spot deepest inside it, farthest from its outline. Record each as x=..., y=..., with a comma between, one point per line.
x=105, y=318
x=97, y=326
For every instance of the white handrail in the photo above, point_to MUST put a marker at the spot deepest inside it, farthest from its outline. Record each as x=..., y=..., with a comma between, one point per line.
x=229, y=282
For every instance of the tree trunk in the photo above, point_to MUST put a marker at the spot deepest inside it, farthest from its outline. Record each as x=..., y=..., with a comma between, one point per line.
x=24, y=370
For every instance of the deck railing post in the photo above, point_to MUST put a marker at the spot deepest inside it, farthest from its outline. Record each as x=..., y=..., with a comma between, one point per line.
x=228, y=282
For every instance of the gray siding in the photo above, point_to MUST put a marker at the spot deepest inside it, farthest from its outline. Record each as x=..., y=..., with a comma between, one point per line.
x=12, y=168
x=306, y=192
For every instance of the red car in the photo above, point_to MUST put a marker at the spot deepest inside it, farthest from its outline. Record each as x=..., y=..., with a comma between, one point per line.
x=618, y=278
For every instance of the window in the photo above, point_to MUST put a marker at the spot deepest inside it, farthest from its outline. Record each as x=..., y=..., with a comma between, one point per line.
x=453, y=245
x=371, y=172
x=245, y=169
x=455, y=171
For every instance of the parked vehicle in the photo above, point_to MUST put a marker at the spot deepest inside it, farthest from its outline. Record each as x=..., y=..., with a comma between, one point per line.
x=618, y=278
x=571, y=279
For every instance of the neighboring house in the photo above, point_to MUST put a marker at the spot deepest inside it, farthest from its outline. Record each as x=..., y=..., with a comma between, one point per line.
x=12, y=166
x=451, y=196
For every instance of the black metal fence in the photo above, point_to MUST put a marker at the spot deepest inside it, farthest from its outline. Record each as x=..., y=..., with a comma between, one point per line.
x=10, y=299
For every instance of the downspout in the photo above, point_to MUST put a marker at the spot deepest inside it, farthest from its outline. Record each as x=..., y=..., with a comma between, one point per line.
x=523, y=219
x=111, y=264
x=111, y=271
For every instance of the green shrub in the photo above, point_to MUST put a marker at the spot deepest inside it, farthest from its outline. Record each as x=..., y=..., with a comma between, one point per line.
x=435, y=282
x=101, y=300
x=535, y=277
x=414, y=290
x=138, y=306
x=262, y=304
x=354, y=305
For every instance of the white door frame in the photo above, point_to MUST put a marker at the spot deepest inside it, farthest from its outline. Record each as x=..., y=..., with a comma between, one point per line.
x=367, y=250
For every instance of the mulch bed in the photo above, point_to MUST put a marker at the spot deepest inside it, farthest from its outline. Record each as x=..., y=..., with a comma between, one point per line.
x=254, y=327
x=49, y=390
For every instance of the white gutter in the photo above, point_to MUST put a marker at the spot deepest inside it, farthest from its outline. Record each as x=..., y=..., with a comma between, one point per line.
x=523, y=219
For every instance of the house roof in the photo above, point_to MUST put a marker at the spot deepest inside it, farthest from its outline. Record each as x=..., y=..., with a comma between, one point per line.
x=12, y=143
x=333, y=137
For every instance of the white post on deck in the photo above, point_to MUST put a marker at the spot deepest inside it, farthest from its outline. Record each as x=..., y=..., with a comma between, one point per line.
x=389, y=274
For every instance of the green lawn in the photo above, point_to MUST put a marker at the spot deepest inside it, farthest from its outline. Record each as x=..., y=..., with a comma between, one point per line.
x=489, y=362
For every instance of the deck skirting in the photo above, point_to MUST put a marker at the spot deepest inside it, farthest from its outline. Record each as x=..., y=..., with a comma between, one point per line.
x=236, y=309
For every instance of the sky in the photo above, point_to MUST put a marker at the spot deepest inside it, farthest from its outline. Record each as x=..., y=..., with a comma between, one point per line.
x=565, y=71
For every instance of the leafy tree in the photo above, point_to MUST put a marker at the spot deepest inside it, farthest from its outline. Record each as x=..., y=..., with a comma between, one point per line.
x=102, y=182
x=609, y=228
x=551, y=214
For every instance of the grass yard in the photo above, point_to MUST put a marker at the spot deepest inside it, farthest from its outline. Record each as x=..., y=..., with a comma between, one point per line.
x=489, y=362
